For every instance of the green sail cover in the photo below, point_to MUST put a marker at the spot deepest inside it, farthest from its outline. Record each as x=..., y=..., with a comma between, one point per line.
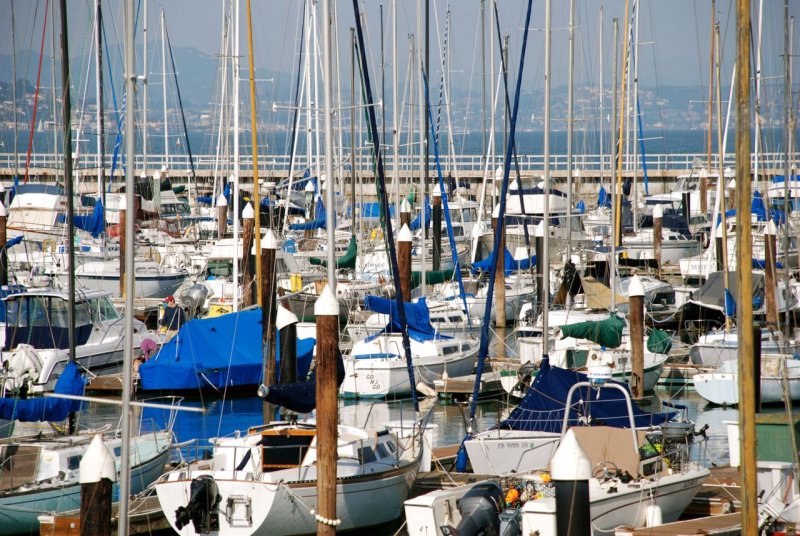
x=659, y=342
x=348, y=260
x=606, y=333
x=431, y=278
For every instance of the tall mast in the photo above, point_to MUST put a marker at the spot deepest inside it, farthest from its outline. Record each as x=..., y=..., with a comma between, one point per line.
x=621, y=126
x=14, y=89
x=164, y=88
x=327, y=98
x=545, y=275
x=101, y=147
x=703, y=179
x=633, y=135
x=254, y=140
x=787, y=143
x=423, y=171
x=615, y=148
x=570, y=91
x=157, y=185
x=54, y=93
x=602, y=90
x=127, y=375
x=236, y=163
x=395, y=126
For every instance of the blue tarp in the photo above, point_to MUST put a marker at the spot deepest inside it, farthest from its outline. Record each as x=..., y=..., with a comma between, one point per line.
x=317, y=223
x=542, y=409
x=511, y=264
x=418, y=317
x=221, y=351
x=603, y=198
x=13, y=242
x=94, y=223
x=70, y=382
x=373, y=210
x=415, y=223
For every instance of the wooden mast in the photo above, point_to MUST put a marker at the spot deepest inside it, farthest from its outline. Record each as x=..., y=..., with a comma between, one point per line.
x=744, y=278
x=254, y=140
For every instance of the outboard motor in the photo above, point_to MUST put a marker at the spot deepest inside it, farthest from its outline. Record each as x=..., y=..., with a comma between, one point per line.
x=480, y=510
x=202, y=507
x=194, y=297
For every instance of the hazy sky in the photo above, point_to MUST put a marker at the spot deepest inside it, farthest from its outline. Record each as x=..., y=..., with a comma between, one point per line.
x=673, y=35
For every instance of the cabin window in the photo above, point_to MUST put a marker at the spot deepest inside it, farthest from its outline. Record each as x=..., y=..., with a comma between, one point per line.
x=447, y=350
x=382, y=452
x=390, y=445
x=366, y=455
x=74, y=463
x=455, y=319
x=284, y=451
x=117, y=452
x=469, y=214
x=38, y=312
x=104, y=309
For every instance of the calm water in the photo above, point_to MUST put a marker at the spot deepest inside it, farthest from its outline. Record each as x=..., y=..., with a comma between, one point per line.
x=224, y=417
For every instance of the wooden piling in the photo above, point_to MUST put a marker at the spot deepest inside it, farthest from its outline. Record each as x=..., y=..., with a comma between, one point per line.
x=636, y=319
x=405, y=213
x=269, y=313
x=222, y=216
x=404, y=243
x=326, y=309
x=500, y=286
x=437, y=227
x=770, y=279
x=248, y=215
x=658, y=220
x=97, y=472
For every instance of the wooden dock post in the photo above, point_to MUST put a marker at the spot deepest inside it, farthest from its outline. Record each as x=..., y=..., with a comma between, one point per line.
x=437, y=227
x=636, y=319
x=658, y=220
x=770, y=279
x=269, y=313
x=222, y=216
x=123, y=210
x=405, y=213
x=326, y=310
x=248, y=215
x=404, y=239
x=97, y=472
x=500, y=285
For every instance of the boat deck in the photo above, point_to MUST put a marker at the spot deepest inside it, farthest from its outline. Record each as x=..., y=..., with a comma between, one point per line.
x=718, y=525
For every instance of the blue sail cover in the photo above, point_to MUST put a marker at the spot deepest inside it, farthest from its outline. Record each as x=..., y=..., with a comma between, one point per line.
x=542, y=409
x=317, y=223
x=70, y=382
x=94, y=223
x=301, y=397
x=511, y=264
x=224, y=351
x=418, y=318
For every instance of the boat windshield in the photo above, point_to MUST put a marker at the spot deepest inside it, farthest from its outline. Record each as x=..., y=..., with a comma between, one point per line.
x=42, y=322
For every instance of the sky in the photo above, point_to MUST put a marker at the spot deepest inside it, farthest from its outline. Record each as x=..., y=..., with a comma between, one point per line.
x=674, y=36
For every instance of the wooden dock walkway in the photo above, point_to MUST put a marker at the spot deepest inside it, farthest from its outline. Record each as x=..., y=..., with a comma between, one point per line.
x=724, y=525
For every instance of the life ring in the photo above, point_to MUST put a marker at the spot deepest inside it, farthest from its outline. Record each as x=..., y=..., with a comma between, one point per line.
x=49, y=245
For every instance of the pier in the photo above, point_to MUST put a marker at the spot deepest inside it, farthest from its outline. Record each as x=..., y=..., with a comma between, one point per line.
x=589, y=171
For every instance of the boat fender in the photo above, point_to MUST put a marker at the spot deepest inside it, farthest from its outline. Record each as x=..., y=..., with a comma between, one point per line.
x=202, y=508
x=480, y=510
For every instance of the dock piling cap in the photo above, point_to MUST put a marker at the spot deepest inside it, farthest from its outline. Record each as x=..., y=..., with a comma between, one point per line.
x=3, y=213
x=97, y=463
x=771, y=229
x=570, y=462
x=284, y=317
x=248, y=213
x=405, y=207
x=405, y=234
x=635, y=287
x=658, y=212
x=326, y=304
x=539, y=229
x=222, y=201
x=269, y=240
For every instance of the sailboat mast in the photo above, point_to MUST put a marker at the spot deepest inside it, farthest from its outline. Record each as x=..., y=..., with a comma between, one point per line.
x=570, y=92
x=254, y=140
x=156, y=184
x=545, y=275
x=423, y=171
x=101, y=148
x=53, y=94
x=236, y=163
x=164, y=88
x=14, y=90
x=127, y=363
x=602, y=90
x=703, y=179
x=615, y=148
x=327, y=99
x=621, y=137
x=395, y=126
x=788, y=128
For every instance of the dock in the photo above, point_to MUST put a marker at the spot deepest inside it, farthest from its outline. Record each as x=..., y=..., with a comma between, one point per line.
x=724, y=525
x=145, y=517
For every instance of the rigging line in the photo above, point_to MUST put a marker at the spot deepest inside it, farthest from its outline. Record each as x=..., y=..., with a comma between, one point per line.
x=484, y=345
x=384, y=200
x=36, y=94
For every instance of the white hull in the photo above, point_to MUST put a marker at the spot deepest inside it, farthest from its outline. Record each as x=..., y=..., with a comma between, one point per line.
x=722, y=386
